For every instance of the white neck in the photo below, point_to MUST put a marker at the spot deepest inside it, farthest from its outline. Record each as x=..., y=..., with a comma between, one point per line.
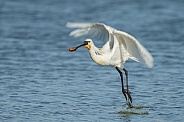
x=96, y=55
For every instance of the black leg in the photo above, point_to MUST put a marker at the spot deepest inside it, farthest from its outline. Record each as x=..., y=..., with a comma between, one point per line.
x=127, y=89
x=123, y=90
x=125, y=93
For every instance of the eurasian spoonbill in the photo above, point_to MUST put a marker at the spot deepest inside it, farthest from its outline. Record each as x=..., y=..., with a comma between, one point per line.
x=116, y=51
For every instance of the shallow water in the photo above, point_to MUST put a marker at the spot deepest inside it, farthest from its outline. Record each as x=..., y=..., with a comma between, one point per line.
x=40, y=80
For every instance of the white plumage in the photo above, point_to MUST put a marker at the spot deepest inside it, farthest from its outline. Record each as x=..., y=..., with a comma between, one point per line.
x=119, y=48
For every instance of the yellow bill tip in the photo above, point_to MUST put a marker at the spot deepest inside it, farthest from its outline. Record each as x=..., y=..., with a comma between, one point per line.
x=72, y=49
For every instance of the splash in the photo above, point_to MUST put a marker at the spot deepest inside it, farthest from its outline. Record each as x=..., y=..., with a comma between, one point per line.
x=135, y=110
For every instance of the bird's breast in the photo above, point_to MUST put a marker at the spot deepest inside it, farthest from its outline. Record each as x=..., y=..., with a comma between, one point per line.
x=100, y=62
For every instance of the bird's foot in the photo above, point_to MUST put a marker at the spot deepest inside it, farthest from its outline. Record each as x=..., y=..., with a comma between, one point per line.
x=129, y=104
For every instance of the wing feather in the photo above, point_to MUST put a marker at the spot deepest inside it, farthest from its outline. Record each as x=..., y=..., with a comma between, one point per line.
x=135, y=49
x=94, y=30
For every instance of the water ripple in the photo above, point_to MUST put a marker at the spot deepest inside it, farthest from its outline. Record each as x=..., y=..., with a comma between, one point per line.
x=41, y=81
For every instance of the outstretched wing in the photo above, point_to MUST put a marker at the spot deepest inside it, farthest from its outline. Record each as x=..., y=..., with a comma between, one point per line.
x=98, y=31
x=135, y=49
x=93, y=30
x=129, y=44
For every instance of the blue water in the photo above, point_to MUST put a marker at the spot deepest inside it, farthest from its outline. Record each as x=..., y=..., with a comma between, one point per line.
x=40, y=80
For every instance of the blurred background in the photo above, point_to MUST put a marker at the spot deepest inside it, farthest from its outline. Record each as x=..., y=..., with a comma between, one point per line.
x=40, y=80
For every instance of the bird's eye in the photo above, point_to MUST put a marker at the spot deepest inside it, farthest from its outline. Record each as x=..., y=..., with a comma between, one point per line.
x=87, y=42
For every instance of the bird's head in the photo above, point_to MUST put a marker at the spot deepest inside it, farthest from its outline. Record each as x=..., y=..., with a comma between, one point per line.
x=87, y=43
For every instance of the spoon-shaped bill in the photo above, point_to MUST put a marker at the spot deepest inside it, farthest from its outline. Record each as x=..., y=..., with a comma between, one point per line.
x=71, y=49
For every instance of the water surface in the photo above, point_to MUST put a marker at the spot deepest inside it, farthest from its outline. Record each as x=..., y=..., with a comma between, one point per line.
x=40, y=80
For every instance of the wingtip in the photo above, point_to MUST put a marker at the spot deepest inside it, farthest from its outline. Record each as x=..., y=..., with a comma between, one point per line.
x=151, y=64
x=68, y=24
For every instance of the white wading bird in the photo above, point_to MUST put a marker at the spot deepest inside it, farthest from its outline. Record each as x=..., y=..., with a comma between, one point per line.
x=117, y=50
